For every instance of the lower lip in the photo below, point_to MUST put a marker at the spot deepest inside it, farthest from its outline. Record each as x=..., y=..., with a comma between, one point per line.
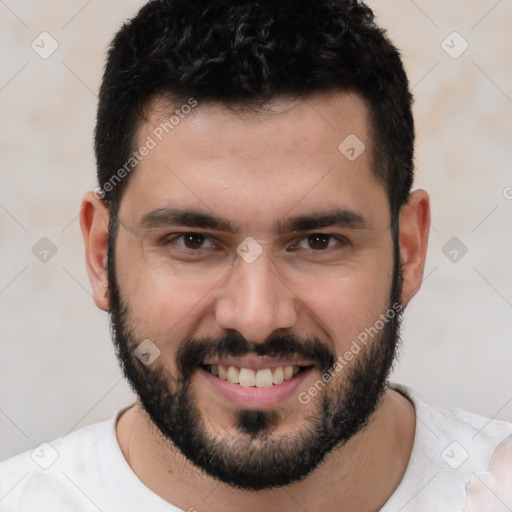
x=253, y=397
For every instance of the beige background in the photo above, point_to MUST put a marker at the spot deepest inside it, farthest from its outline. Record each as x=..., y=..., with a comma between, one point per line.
x=57, y=367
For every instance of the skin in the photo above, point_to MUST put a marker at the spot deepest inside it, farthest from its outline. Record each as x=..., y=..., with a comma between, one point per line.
x=253, y=169
x=492, y=491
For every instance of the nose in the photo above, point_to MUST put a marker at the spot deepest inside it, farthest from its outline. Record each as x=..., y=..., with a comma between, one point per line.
x=254, y=300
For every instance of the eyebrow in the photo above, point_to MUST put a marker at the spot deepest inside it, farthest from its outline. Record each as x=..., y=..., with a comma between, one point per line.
x=338, y=218
x=166, y=217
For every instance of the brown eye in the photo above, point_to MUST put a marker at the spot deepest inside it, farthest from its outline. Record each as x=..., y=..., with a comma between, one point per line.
x=318, y=241
x=193, y=240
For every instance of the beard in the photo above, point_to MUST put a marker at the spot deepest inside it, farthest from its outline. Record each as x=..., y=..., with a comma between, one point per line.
x=258, y=456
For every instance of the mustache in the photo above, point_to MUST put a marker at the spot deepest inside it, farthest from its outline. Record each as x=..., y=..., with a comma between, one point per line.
x=194, y=351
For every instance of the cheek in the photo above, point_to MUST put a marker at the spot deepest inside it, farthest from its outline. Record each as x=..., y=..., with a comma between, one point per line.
x=150, y=295
x=164, y=310
x=161, y=307
x=344, y=307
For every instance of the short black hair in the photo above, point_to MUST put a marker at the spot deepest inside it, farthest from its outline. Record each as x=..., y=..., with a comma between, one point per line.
x=247, y=53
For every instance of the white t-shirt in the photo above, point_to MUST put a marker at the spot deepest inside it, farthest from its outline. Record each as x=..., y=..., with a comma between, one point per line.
x=459, y=462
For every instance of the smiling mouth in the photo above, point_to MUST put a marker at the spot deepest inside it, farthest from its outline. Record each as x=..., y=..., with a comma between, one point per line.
x=248, y=377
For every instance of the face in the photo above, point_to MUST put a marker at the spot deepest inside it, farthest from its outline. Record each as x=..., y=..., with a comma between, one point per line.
x=250, y=257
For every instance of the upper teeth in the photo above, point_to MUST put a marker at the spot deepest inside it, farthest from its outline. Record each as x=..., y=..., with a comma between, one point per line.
x=260, y=378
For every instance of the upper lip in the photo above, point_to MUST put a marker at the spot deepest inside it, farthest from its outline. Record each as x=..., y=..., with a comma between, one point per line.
x=256, y=362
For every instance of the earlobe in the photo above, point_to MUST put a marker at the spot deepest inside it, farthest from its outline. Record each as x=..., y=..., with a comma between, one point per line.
x=94, y=219
x=414, y=231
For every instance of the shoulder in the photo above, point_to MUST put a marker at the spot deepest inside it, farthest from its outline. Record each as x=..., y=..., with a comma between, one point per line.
x=472, y=431
x=33, y=479
x=83, y=471
x=454, y=452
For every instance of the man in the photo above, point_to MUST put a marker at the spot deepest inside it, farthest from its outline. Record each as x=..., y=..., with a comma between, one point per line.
x=255, y=241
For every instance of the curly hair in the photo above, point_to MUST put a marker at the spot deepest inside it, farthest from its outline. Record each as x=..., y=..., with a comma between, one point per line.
x=246, y=53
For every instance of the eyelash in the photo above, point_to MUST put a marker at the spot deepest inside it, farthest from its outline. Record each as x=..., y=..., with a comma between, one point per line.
x=338, y=238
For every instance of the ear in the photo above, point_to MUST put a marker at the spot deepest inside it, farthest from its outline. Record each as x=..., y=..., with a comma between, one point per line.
x=94, y=220
x=414, y=231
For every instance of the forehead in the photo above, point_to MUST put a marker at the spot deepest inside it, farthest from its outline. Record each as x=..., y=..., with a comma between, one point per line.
x=292, y=155
x=304, y=120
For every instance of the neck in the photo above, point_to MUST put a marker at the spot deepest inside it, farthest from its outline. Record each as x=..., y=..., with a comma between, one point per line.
x=378, y=454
